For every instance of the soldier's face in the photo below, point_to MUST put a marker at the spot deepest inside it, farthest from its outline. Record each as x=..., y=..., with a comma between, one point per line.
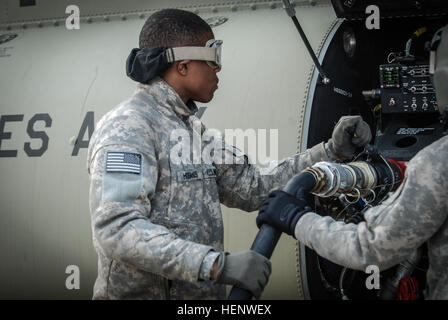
x=202, y=81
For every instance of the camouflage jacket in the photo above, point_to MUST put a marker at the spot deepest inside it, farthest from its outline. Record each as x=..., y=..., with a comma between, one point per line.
x=155, y=219
x=416, y=213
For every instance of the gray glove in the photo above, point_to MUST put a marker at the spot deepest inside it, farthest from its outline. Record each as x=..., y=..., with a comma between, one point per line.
x=349, y=133
x=245, y=269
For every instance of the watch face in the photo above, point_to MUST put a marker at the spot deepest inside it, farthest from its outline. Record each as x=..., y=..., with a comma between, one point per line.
x=7, y=37
x=349, y=42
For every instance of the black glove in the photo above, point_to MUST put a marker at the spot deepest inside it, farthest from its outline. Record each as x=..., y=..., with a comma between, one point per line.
x=349, y=133
x=282, y=211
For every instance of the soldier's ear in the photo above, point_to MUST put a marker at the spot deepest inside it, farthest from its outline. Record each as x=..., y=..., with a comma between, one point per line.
x=183, y=66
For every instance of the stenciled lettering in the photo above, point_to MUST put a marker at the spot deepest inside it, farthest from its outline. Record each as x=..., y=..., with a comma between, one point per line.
x=87, y=124
x=37, y=135
x=7, y=135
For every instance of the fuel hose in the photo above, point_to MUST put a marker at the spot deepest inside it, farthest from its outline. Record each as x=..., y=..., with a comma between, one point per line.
x=267, y=237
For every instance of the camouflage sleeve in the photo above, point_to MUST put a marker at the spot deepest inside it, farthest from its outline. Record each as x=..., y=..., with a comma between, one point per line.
x=245, y=186
x=120, y=203
x=205, y=272
x=392, y=230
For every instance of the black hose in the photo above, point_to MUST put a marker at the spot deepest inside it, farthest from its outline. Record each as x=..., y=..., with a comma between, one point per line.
x=267, y=237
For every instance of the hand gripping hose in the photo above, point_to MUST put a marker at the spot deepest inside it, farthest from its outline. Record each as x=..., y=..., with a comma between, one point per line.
x=267, y=237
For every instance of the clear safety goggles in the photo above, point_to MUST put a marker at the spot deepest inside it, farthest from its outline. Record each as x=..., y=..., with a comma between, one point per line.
x=211, y=53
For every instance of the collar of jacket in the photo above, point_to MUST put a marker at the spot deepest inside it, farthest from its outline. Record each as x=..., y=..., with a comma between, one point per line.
x=168, y=97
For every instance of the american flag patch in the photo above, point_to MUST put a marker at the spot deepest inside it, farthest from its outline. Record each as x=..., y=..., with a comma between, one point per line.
x=123, y=162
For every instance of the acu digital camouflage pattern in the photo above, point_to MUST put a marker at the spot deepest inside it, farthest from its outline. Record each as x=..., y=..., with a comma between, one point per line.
x=417, y=212
x=152, y=230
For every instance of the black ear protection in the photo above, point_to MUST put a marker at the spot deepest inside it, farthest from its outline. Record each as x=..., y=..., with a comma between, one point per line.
x=143, y=65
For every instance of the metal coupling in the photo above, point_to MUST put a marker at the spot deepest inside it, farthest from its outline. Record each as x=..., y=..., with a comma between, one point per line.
x=334, y=178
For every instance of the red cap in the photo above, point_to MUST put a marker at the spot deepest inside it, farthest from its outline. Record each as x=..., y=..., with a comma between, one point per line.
x=401, y=165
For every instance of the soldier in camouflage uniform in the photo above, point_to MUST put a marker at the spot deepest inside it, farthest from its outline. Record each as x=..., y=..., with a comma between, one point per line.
x=156, y=221
x=416, y=213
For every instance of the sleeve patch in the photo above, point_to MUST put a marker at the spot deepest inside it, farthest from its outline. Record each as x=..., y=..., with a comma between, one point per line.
x=122, y=180
x=124, y=162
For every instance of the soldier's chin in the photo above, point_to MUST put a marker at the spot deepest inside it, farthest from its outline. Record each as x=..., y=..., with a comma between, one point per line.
x=205, y=99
